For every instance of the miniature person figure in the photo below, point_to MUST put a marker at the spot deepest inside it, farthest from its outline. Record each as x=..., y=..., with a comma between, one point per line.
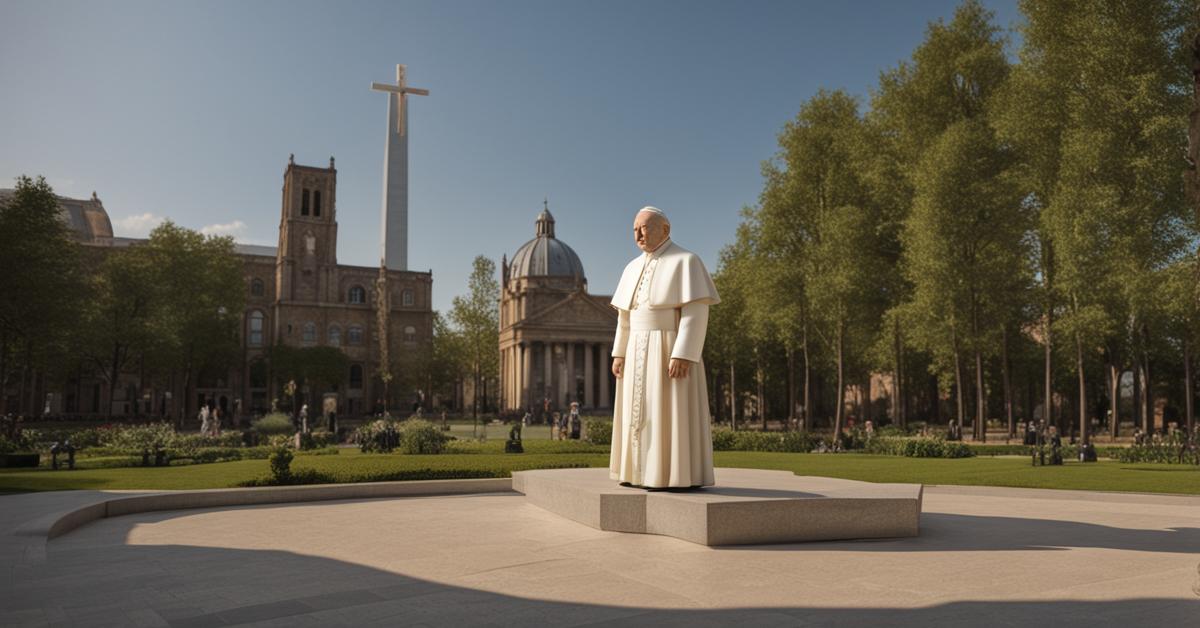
x=573, y=421
x=304, y=418
x=661, y=434
x=205, y=426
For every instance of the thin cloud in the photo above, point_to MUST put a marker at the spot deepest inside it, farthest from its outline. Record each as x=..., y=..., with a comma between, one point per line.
x=138, y=226
x=237, y=229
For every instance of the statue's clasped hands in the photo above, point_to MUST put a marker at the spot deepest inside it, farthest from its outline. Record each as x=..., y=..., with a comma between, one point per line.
x=676, y=369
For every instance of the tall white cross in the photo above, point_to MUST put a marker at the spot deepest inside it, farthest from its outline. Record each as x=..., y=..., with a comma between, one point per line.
x=402, y=91
x=394, y=227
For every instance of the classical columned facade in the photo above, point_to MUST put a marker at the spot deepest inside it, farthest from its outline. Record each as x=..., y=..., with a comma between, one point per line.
x=534, y=371
x=555, y=338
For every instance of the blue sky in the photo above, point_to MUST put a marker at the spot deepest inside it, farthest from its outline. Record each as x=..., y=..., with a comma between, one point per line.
x=188, y=111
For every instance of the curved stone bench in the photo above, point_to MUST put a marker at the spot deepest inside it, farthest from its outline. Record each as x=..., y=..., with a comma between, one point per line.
x=117, y=505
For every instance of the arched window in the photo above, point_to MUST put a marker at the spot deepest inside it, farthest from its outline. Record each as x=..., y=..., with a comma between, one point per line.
x=316, y=202
x=406, y=298
x=356, y=376
x=255, y=337
x=410, y=334
x=335, y=335
x=304, y=203
x=310, y=332
x=357, y=295
x=354, y=335
x=256, y=287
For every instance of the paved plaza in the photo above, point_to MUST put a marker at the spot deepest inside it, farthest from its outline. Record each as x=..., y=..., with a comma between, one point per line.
x=985, y=556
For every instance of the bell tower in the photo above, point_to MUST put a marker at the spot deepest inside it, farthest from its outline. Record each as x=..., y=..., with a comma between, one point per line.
x=306, y=261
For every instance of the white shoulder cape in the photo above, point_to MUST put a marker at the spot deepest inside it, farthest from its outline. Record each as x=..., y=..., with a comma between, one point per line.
x=680, y=278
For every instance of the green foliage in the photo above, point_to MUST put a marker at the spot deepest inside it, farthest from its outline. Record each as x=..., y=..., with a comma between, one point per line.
x=413, y=436
x=42, y=288
x=725, y=439
x=281, y=460
x=1174, y=449
x=421, y=437
x=274, y=424
x=136, y=439
x=918, y=447
x=318, y=368
x=317, y=439
x=599, y=432
x=477, y=319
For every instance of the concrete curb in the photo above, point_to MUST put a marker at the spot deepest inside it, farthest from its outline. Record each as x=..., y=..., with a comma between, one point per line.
x=117, y=506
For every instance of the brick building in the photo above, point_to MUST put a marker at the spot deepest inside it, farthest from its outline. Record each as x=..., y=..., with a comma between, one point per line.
x=296, y=294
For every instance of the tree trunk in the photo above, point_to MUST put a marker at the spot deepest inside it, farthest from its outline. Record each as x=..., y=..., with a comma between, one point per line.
x=759, y=376
x=959, y=409
x=1148, y=391
x=980, y=400
x=1083, y=418
x=897, y=376
x=791, y=388
x=808, y=423
x=4, y=372
x=1006, y=375
x=1136, y=372
x=1114, y=397
x=840, y=410
x=1188, y=411
x=1048, y=394
x=732, y=396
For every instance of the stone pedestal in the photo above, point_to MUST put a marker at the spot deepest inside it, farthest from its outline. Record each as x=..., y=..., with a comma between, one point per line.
x=747, y=506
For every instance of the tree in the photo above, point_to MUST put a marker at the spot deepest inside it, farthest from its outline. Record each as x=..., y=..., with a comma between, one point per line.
x=1096, y=110
x=42, y=285
x=315, y=369
x=817, y=216
x=725, y=347
x=934, y=118
x=477, y=317
x=200, y=296
x=119, y=316
x=964, y=247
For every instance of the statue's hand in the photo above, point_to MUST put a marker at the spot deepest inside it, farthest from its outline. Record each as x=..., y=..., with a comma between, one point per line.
x=678, y=368
x=618, y=367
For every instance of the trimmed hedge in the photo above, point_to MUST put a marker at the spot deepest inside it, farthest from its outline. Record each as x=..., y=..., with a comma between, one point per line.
x=918, y=447
x=725, y=439
x=599, y=431
x=313, y=476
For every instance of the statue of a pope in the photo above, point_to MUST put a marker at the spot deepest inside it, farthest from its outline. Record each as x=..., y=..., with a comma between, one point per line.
x=661, y=433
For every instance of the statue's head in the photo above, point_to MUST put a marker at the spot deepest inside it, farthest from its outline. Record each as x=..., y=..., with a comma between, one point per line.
x=650, y=228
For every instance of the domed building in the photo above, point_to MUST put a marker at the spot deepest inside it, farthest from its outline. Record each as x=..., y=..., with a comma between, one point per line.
x=555, y=338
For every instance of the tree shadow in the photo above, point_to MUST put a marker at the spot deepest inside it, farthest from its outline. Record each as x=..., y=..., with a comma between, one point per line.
x=195, y=586
x=944, y=532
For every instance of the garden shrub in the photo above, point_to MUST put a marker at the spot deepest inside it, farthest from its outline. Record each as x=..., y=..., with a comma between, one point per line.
x=281, y=461
x=725, y=439
x=918, y=447
x=136, y=439
x=378, y=436
x=274, y=424
x=1172, y=450
x=317, y=439
x=599, y=431
x=421, y=437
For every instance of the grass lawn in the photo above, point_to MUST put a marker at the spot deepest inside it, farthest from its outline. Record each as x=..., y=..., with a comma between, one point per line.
x=487, y=460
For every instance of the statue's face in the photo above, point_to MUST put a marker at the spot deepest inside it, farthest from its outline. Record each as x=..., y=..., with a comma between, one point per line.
x=649, y=231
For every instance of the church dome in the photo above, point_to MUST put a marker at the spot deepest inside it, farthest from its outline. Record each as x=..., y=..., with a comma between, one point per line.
x=545, y=255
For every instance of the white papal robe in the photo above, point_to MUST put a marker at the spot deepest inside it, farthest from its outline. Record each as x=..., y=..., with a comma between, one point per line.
x=661, y=425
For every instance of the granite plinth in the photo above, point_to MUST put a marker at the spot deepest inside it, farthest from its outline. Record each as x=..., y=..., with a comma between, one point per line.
x=747, y=506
